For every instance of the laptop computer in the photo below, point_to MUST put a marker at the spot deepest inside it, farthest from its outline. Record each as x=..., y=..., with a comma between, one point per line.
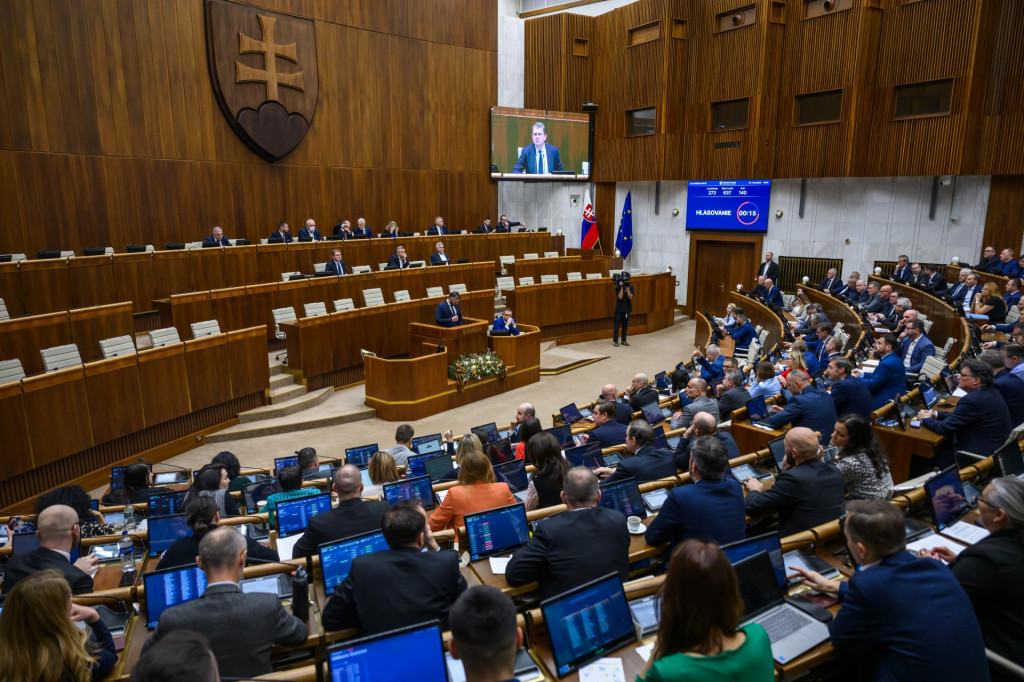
x=165, y=504
x=411, y=488
x=588, y=622
x=1010, y=460
x=171, y=587
x=278, y=584
x=777, y=446
x=23, y=543
x=438, y=466
x=947, y=501
x=496, y=531
x=414, y=466
x=293, y=515
x=663, y=442
x=790, y=630
x=254, y=493
x=282, y=462
x=928, y=395
x=116, y=478
x=736, y=552
x=426, y=445
x=652, y=413
x=361, y=454
x=499, y=451
x=588, y=455
x=412, y=653
x=623, y=496
x=646, y=614
x=661, y=381
x=572, y=414
x=563, y=434
x=491, y=429
x=795, y=557
x=514, y=474
x=336, y=557
x=757, y=409
x=164, y=530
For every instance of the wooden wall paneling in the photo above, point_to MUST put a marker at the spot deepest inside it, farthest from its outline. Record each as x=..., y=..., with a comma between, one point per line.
x=314, y=339
x=607, y=220
x=187, y=309
x=91, y=281
x=292, y=295
x=414, y=281
x=209, y=377
x=324, y=290
x=260, y=301
x=271, y=262
x=135, y=279
x=114, y=384
x=16, y=455
x=23, y=338
x=1004, y=220
x=299, y=257
x=165, y=387
x=207, y=268
x=246, y=354
x=555, y=77
x=57, y=399
x=673, y=107
x=89, y=326
x=399, y=316
x=240, y=266
x=358, y=329
x=45, y=285
x=230, y=307
x=10, y=193
x=10, y=289
x=171, y=273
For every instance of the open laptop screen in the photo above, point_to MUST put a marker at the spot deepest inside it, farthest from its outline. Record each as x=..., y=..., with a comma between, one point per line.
x=1011, y=463
x=282, y=462
x=571, y=414
x=165, y=504
x=661, y=380
x=490, y=429
x=171, y=587
x=254, y=493
x=653, y=414
x=499, y=451
x=757, y=588
x=563, y=434
x=425, y=445
x=513, y=473
x=414, y=466
x=164, y=530
x=293, y=515
x=413, y=653
x=336, y=557
x=623, y=496
x=588, y=622
x=361, y=454
x=496, y=531
x=768, y=542
x=757, y=408
x=410, y=488
x=116, y=478
x=947, y=500
x=438, y=466
x=928, y=395
x=588, y=455
x=777, y=446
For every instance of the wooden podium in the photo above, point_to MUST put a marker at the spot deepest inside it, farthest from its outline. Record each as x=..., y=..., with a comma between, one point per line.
x=461, y=340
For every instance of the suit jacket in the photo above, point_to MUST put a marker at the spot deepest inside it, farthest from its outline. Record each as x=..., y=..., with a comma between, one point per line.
x=337, y=268
x=223, y=241
x=315, y=235
x=813, y=409
x=908, y=619
x=350, y=517
x=708, y=510
x=466, y=499
x=917, y=279
x=499, y=326
x=873, y=303
x=527, y=162
x=901, y=274
x=774, y=297
x=1011, y=387
x=242, y=628
x=364, y=233
x=988, y=264
x=831, y=284
x=339, y=230
x=420, y=586
x=709, y=371
x=979, y=423
x=857, y=297
x=682, y=451
x=648, y=464
x=701, y=404
x=936, y=282
x=483, y=229
x=889, y=379
x=570, y=549
x=443, y=315
x=745, y=335
x=957, y=291
x=623, y=412
x=433, y=230
x=1010, y=268
x=804, y=496
x=769, y=270
x=612, y=433
x=922, y=350
x=184, y=551
x=395, y=262
x=733, y=399
x=21, y=566
x=969, y=294
x=852, y=396
x=642, y=397
x=435, y=259
x=277, y=236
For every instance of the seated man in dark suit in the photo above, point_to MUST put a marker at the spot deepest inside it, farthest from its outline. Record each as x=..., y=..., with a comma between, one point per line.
x=916, y=275
x=711, y=509
x=704, y=424
x=902, y=617
x=915, y=347
x=933, y=279
x=344, y=230
x=398, y=260
x=503, y=224
x=607, y=431
x=538, y=157
x=281, y=234
x=216, y=237
x=1013, y=292
x=832, y=282
x=772, y=295
x=310, y=465
x=439, y=257
x=902, y=271
x=979, y=423
x=580, y=545
x=810, y=407
x=242, y=628
x=1010, y=386
x=640, y=392
x=437, y=229
x=336, y=266
x=506, y=323
x=485, y=633
x=405, y=584
x=351, y=517
x=888, y=379
x=448, y=313
x=849, y=394
x=623, y=410
x=643, y=461
x=1008, y=266
x=873, y=302
x=959, y=289
x=807, y=493
x=58, y=532
x=362, y=231
x=989, y=260
x=484, y=227
x=309, y=233
x=816, y=343
x=734, y=394
x=847, y=289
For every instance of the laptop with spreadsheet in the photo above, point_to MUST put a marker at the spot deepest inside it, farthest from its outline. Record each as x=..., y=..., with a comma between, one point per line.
x=426, y=445
x=414, y=466
x=336, y=557
x=116, y=478
x=165, y=504
x=293, y=515
x=496, y=531
x=361, y=454
x=171, y=587
x=623, y=496
x=409, y=488
x=412, y=653
x=438, y=466
x=282, y=462
x=588, y=622
x=791, y=631
x=164, y=530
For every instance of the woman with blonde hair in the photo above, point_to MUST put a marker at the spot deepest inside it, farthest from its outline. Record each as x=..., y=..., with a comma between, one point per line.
x=382, y=470
x=39, y=638
x=990, y=303
x=476, y=491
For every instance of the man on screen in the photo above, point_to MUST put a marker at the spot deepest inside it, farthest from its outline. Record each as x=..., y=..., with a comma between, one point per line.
x=538, y=158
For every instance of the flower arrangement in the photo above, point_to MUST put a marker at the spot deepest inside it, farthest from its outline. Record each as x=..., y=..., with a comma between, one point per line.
x=476, y=366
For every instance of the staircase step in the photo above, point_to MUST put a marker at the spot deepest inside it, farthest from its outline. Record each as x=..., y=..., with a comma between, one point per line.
x=286, y=393
x=280, y=380
x=274, y=419
x=286, y=408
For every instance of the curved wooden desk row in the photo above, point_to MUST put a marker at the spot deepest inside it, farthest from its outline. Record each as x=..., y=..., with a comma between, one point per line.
x=562, y=266
x=67, y=424
x=760, y=314
x=41, y=286
x=24, y=337
x=839, y=311
x=583, y=310
x=241, y=307
x=945, y=323
x=952, y=274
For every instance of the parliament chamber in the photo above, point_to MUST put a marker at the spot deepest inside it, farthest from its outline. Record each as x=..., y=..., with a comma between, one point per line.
x=248, y=244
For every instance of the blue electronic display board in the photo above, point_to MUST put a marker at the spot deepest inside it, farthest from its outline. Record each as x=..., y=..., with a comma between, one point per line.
x=728, y=205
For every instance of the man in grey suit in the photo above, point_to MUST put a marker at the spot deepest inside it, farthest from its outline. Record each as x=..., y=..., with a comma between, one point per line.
x=242, y=628
x=696, y=391
x=734, y=395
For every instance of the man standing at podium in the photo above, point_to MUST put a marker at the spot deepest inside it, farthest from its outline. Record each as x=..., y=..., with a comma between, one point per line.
x=448, y=313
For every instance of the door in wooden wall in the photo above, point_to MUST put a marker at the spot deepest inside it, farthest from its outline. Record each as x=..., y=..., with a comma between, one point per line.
x=717, y=264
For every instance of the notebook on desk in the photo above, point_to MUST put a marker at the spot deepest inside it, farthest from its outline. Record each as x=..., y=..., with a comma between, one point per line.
x=1010, y=460
x=412, y=653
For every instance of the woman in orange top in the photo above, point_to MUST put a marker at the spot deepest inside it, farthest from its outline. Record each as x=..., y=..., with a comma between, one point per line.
x=476, y=491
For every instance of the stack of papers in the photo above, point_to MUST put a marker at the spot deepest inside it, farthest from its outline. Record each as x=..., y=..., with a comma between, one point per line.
x=966, y=533
x=932, y=541
x=498, y=564
x=603, y=670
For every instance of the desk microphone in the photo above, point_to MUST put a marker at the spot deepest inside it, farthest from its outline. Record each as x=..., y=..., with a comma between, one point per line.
x=970, y=454
x=300, y=587
x=143, y=460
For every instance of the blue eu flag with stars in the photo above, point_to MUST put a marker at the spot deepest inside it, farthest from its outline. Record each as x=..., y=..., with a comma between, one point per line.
x=624, y=239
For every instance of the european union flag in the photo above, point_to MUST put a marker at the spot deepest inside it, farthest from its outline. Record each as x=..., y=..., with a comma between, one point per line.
x=624, y=239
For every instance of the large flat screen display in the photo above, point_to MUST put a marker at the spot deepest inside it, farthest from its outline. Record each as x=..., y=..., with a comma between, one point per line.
x=737, y=205
x=536, y=144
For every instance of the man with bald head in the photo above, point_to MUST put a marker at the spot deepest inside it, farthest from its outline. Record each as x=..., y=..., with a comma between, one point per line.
x=640, y=392
x=696, y=392
x=806, y=494
x=58, y=533
x=523, y=412
x=704, y=424
x=352, y=516
x=623, y=410
x=810, y=407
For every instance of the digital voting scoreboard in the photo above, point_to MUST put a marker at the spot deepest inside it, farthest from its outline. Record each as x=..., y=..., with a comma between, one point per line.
x=735, y=205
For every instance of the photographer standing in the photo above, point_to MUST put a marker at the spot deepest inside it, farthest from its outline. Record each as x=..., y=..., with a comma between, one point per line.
x=623, y=307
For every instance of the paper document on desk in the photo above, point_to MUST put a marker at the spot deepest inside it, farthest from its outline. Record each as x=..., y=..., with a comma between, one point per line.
x=932, y=541
x=766, y=427
x=965, y=532
x=869, y=363
x=603, y=670
x=498, y=564
x=285, y=545
x=959, y=392
x=645, y=651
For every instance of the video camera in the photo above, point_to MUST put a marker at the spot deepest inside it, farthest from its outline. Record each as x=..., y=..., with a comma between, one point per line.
x=621, y=278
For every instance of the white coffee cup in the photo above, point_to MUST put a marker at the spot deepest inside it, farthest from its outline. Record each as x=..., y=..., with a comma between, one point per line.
x=634, y=523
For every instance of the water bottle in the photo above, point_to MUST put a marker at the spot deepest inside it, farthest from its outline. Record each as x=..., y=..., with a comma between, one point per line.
x=126, y=549
x=129, y=516
x=300, y=594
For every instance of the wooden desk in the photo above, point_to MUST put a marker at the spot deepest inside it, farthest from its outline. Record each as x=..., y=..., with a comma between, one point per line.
x=464, y=339
x=750, y=438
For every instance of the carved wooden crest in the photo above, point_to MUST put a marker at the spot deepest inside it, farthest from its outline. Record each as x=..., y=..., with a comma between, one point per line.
x=264, y=73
